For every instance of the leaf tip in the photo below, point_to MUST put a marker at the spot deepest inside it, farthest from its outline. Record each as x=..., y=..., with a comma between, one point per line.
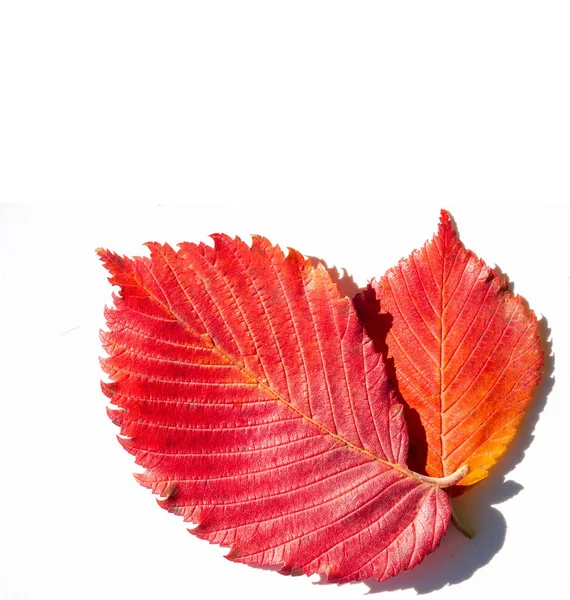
x=444, y=217
x=104, y=255
x=446, y=222
x=446, y=230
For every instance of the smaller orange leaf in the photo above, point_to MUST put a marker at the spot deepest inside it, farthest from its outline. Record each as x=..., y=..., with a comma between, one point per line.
x=466, y=353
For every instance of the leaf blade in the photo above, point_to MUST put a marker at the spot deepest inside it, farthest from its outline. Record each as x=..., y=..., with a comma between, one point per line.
x=466, y=351
x=248, y=390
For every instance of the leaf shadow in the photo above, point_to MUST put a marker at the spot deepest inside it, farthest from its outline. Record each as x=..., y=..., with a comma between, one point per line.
x=457, y=558
x=344, y=282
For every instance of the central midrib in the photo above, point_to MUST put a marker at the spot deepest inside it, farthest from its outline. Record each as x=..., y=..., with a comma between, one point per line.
x=441, y=362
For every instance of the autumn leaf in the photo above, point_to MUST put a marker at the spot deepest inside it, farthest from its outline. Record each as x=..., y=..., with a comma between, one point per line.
x=465, y=350
x=250, y=393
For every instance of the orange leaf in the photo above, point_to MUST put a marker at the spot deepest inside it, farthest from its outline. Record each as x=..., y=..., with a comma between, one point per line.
x=466, y=353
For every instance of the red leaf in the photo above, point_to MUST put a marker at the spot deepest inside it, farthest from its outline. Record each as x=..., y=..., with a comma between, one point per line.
x=466, y=353
x=248, y=390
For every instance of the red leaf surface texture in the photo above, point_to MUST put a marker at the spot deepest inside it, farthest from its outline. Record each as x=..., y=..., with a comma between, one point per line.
x=247, y=389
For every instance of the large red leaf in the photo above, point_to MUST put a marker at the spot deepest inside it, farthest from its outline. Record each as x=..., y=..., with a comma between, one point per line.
x=248, y=390
x=466, y=353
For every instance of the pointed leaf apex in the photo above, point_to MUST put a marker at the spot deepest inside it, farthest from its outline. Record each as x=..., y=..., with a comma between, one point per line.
x=446, y=227
x=104, y=254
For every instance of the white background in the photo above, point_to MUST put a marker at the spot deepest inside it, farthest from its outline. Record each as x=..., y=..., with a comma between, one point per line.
x=337, y=128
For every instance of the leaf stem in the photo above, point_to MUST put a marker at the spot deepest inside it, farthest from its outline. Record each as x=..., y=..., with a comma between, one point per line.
x=459, y=525
x=444, y=482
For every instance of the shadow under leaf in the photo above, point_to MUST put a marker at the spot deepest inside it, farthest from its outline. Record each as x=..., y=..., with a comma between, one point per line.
x=345, y=282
